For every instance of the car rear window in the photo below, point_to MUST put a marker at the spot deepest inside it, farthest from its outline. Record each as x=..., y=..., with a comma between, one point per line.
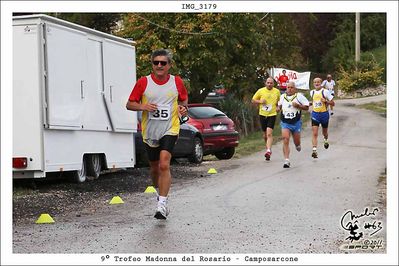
x=204, y=112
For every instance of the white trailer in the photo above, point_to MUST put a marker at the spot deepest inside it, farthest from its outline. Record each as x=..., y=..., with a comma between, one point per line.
x=70, y=87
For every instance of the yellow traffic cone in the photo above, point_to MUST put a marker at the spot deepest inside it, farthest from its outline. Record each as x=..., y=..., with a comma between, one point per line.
x=212, y=171
x=45, y=218
x=150, y=189
x=116, y=200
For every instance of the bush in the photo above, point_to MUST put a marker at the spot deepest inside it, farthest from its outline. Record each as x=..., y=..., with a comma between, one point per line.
x=242, y=112
x=368, y=74
x=379, y=54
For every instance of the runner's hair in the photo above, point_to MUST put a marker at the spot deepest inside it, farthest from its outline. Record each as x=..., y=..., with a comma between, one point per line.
x=162, y=52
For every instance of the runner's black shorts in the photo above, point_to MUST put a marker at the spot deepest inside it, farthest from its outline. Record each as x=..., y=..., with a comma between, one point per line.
x=267, y=121
x=167, y=143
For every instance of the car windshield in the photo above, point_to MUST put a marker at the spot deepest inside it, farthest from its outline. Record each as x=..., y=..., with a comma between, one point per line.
x=204, y=112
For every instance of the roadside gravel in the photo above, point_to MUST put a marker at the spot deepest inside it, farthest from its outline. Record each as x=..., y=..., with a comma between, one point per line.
x=59, y=196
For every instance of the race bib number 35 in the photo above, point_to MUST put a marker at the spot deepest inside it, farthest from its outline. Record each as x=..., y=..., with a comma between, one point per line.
x=162, y=113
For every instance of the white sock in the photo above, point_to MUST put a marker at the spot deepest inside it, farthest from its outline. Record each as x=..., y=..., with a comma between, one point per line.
x=314, y=148
x=162, y=199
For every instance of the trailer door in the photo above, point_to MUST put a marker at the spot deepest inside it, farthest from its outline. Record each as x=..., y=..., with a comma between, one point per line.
x=95, y=116
x=66, y=72
x=119, y=79
x=27, y=106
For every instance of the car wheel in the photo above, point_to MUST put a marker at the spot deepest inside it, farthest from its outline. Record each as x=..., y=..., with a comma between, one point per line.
x=93, y=165
x=198, y=151
x=79, y=176
x=226, y=153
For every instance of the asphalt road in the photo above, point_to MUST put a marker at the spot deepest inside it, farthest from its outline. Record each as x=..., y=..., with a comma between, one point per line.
x=250, y=205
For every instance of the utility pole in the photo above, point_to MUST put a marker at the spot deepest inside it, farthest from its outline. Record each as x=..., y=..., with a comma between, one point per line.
x=357, y=44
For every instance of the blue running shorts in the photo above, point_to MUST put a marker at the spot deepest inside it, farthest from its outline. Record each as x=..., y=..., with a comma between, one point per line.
x=320, y=118
x=294, y=128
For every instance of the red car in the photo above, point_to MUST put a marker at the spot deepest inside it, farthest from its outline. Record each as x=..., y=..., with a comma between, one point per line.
x=219, y=134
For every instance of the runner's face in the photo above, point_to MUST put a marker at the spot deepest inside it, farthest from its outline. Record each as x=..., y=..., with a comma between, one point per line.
x=317, y=83
x=290, y=89
x=269, y=84
x=159, y=70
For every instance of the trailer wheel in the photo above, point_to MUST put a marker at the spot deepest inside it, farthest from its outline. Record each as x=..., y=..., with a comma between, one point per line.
x=79, y=176
x=93, y=165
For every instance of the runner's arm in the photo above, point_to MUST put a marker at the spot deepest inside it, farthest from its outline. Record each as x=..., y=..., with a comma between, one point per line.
x=301, y=106
x=136, y=106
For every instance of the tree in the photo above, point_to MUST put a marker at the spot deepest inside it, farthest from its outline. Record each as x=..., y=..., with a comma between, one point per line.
x=105, y=22
x=342, y=47
x=373, y=27
x=212, y=49
x=316, y=31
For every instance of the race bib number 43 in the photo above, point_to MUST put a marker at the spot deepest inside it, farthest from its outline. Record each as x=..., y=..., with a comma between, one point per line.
x=289, y=115
x=162, y=113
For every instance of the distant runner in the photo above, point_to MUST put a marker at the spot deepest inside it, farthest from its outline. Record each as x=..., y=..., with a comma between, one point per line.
x=291, y=105
x=320, y=99
x=282, y=82
x=329, y=84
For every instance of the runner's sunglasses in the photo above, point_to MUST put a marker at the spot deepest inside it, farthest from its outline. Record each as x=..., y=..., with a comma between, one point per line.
x=163, y=63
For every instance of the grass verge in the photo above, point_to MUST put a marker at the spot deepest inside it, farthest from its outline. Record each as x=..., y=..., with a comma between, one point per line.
x=378, y=107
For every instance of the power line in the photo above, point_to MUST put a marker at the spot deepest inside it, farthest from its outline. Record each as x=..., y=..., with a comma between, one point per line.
x=264, y=17
x=173, y=30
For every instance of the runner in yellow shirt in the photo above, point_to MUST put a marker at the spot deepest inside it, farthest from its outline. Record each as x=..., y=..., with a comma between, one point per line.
x=321, y=98
x=267, y=98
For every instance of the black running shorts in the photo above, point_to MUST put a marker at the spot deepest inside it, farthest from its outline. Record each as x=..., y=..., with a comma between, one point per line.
x=167, y=143
x=267, y=121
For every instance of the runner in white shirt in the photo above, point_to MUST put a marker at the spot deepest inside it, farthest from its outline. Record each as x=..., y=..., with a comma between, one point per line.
x=329, y=84
x=162, y=98
x=291, y=105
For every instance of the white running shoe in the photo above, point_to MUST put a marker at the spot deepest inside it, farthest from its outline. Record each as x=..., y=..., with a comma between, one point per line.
x=286, y=164
x=162, y=211
x=298, y=148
